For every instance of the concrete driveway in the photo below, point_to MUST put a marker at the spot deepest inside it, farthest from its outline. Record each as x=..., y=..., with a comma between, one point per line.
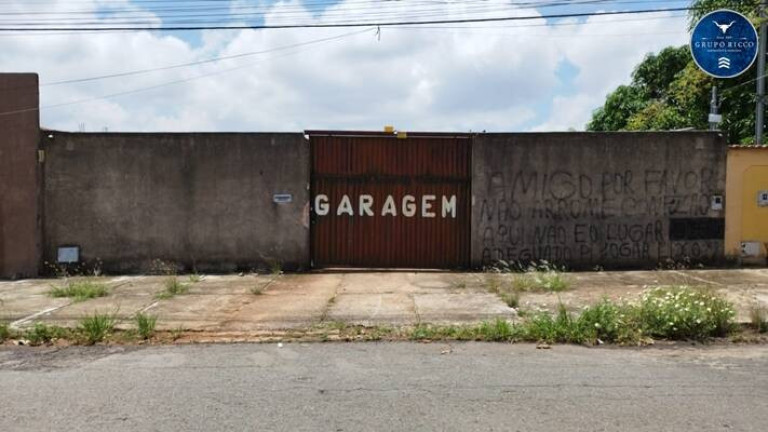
x=228, y=303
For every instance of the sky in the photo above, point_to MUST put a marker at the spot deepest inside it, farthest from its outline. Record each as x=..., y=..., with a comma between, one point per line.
x=543, y=74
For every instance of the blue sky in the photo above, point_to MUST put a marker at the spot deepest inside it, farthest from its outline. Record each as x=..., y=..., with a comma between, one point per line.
x=505, y=76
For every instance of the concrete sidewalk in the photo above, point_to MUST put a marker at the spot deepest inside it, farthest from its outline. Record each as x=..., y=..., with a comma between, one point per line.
x=227, y=303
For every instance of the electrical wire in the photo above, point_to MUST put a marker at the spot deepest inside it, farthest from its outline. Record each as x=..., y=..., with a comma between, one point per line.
x=200, y=62
x=350, y=23
x=174, y=82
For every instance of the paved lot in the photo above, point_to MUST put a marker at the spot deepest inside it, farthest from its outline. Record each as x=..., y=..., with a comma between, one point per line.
x=226, y=303
x=383, y=386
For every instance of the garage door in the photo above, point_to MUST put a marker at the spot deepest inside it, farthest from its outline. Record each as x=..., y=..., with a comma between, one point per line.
x=383, y=201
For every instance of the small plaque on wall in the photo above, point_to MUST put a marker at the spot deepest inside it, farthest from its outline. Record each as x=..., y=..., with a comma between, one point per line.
x=68, y=254
x=282, y=198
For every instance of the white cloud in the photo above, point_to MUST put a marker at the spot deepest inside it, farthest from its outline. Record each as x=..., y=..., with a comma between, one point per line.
x=606, y=52
x=417, y=79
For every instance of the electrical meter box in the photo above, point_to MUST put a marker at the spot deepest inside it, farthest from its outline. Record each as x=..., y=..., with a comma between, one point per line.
x=762, y=198
x=717, y=202
x=750, y=249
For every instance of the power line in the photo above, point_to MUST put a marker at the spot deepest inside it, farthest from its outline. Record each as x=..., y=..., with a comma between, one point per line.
x=346, y=24
x=307, y=5
x=383, y=13
x=33, y=33
x=196, y=63
x=174, y=82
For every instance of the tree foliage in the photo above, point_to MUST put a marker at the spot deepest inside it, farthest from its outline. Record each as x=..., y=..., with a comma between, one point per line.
x=699, y=8
x=668, y=91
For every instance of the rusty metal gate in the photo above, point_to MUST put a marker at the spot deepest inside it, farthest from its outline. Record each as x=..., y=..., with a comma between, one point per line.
x=380, y=201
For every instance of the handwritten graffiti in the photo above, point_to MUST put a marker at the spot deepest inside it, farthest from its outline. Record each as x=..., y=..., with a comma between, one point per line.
x=602, y=217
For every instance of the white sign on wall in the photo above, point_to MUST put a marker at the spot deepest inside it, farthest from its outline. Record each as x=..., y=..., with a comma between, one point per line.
x=364, y=205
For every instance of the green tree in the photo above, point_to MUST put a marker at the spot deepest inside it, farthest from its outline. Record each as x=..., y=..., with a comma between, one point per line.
x=668, y=91
x=699, y=8
x=619, y=107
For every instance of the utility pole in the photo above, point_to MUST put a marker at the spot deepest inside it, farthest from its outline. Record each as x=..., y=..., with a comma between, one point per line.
x=714, y=117
x=760, y=112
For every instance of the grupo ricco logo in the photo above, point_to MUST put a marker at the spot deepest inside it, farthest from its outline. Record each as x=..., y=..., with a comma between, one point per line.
x=724, y=44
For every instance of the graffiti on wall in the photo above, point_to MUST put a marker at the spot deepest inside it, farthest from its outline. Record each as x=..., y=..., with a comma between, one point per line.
x=604, y=217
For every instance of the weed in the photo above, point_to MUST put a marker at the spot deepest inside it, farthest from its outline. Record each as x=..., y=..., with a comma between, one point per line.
x=497, y=330
x=80, y=289
x=684, y=263
x=683, y=312
x=535, y=276
x=430, y=332
x=511, y=298
x=5, y=332
x=561, y=327
x=257, y=290
x=95, y=328
x=610, y=322
x=177, y=333
x=276, y=268
x=41, y=333
x=145, y=325
x=509, y=295
x=493, y=283
x=195, y=278
x=61, y=270
x=541, y=276
x=459, y=284
x=377, y=333
x=160, y=267
x=758, y=316
x=538, y=280
x=172, y=287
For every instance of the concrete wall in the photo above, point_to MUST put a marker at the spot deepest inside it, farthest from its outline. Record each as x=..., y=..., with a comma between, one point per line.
x=587, y=199
x=19, y=176
x=746, y=219
x=193, y=199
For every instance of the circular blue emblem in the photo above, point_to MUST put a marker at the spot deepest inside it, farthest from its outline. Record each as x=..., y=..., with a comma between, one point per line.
x=724, y=44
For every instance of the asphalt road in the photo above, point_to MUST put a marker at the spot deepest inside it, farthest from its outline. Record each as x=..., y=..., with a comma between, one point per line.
x=384, y=386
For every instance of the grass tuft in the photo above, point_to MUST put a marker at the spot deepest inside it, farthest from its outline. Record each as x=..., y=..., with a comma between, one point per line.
x=257, y=290
x=42, y=333
x=80, y=290
x=541, y=280
x=497, y=330
x=511, y=298
x=276, y=268
x=171, y=288
x=95, y=328
x=758, y=317
x=534, y=276
x=145, y=325
x=177, y=333
x=5, y=332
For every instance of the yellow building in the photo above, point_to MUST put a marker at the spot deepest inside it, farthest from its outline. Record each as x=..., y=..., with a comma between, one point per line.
x=746, y=208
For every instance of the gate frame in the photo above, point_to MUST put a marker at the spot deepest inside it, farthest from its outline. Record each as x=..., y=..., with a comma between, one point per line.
x=309, y=133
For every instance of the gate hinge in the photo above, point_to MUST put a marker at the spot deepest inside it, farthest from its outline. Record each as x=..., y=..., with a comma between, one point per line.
x=41, y=156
